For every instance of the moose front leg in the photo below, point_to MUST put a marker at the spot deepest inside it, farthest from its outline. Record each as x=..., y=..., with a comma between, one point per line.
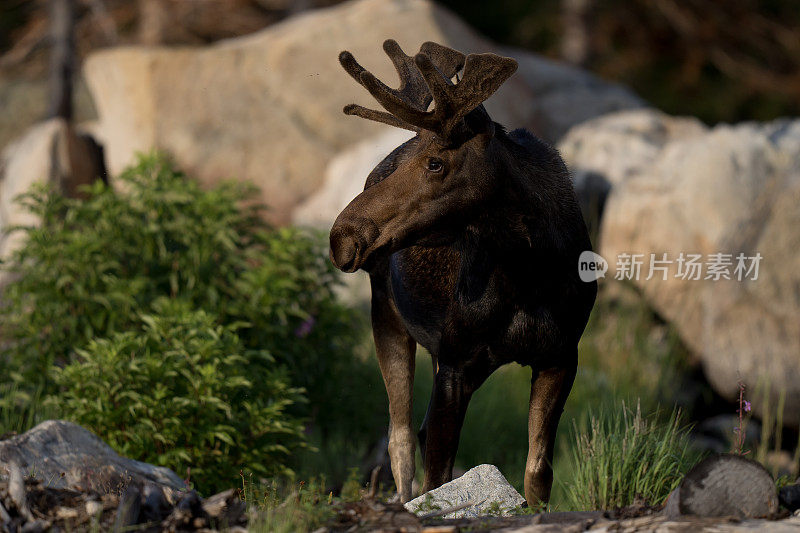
x=442, y=425
x=549, y=391
x=396, y=349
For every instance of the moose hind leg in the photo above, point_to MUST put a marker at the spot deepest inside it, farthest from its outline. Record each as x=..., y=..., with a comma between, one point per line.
x=396, y=349
x=549, y=391
x=423, y=430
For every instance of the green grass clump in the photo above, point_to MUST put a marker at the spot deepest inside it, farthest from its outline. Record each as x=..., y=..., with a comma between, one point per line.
x=285, y=507
x=621, y=455
x=21, y=409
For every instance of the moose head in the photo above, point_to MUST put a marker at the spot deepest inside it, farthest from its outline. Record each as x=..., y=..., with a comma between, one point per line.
x=447, y=169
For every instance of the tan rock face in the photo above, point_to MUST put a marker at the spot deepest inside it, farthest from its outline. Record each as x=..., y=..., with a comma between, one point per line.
x=730, y=189
x=50, y=152
x=344, y=178
x=267, y=107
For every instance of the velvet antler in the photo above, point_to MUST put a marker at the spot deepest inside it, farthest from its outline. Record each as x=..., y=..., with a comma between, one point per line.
x=426, y=78
x=413, y=88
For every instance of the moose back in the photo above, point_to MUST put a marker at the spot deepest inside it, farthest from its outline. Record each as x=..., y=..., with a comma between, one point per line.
x=471, y=237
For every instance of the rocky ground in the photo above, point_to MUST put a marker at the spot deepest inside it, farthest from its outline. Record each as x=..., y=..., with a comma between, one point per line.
x=61, y=477
x=29, y=505
x=49, y=509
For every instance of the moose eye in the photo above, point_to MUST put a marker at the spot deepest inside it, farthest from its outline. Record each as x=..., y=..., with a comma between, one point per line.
x=435, y=165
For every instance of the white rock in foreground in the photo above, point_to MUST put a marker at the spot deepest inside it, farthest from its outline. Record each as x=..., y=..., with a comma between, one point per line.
x=483, y=485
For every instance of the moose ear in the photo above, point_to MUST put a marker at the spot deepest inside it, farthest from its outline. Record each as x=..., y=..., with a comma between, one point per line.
x=479, y=122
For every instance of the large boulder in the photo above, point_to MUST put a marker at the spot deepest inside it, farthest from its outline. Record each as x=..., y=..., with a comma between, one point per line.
x=268, y=107
x=65, y=455
x=344, y=178
x=678, y=187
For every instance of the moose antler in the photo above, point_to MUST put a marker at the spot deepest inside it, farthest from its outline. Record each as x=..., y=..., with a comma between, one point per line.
x=413, y=88
x=426, y=78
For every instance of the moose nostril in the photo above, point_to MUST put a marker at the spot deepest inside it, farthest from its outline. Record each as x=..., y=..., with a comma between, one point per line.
x=344, y=251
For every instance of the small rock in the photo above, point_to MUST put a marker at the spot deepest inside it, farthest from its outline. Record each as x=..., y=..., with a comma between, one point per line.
x=94, y=508
x=724, y=485
x=225, y=508
x=5, y=518
x=188, y=513
x=789, y=497
x=36, y=526
x=191, y=503
x=154, y=506
x=128, y=511
x=16, y=490
x=483, y=486
x=66, y=513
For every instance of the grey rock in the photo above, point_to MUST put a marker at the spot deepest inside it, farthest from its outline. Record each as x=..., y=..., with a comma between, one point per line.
x=661, y=524
x=65, y=455
x=129, y=508
x=16, y=490
x=225, y=509
x=5, y=518
x=93, y=508
x=724, y=485
x=36, y=526
x=154, y=504
x=789, y=497
x=484, y=486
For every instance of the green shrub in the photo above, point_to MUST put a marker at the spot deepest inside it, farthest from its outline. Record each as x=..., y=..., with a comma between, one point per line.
x=92, y=265
x=288, y=305
x=620, y=455
x=182, y=391
x=95, y=265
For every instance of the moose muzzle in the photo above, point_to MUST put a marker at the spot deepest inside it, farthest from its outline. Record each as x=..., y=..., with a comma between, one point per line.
x=351, y=241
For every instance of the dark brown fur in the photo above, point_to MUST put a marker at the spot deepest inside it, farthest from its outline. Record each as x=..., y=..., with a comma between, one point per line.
x=471, y=237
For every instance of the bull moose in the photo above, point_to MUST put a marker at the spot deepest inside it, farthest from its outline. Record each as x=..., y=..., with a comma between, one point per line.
x=471, y=238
